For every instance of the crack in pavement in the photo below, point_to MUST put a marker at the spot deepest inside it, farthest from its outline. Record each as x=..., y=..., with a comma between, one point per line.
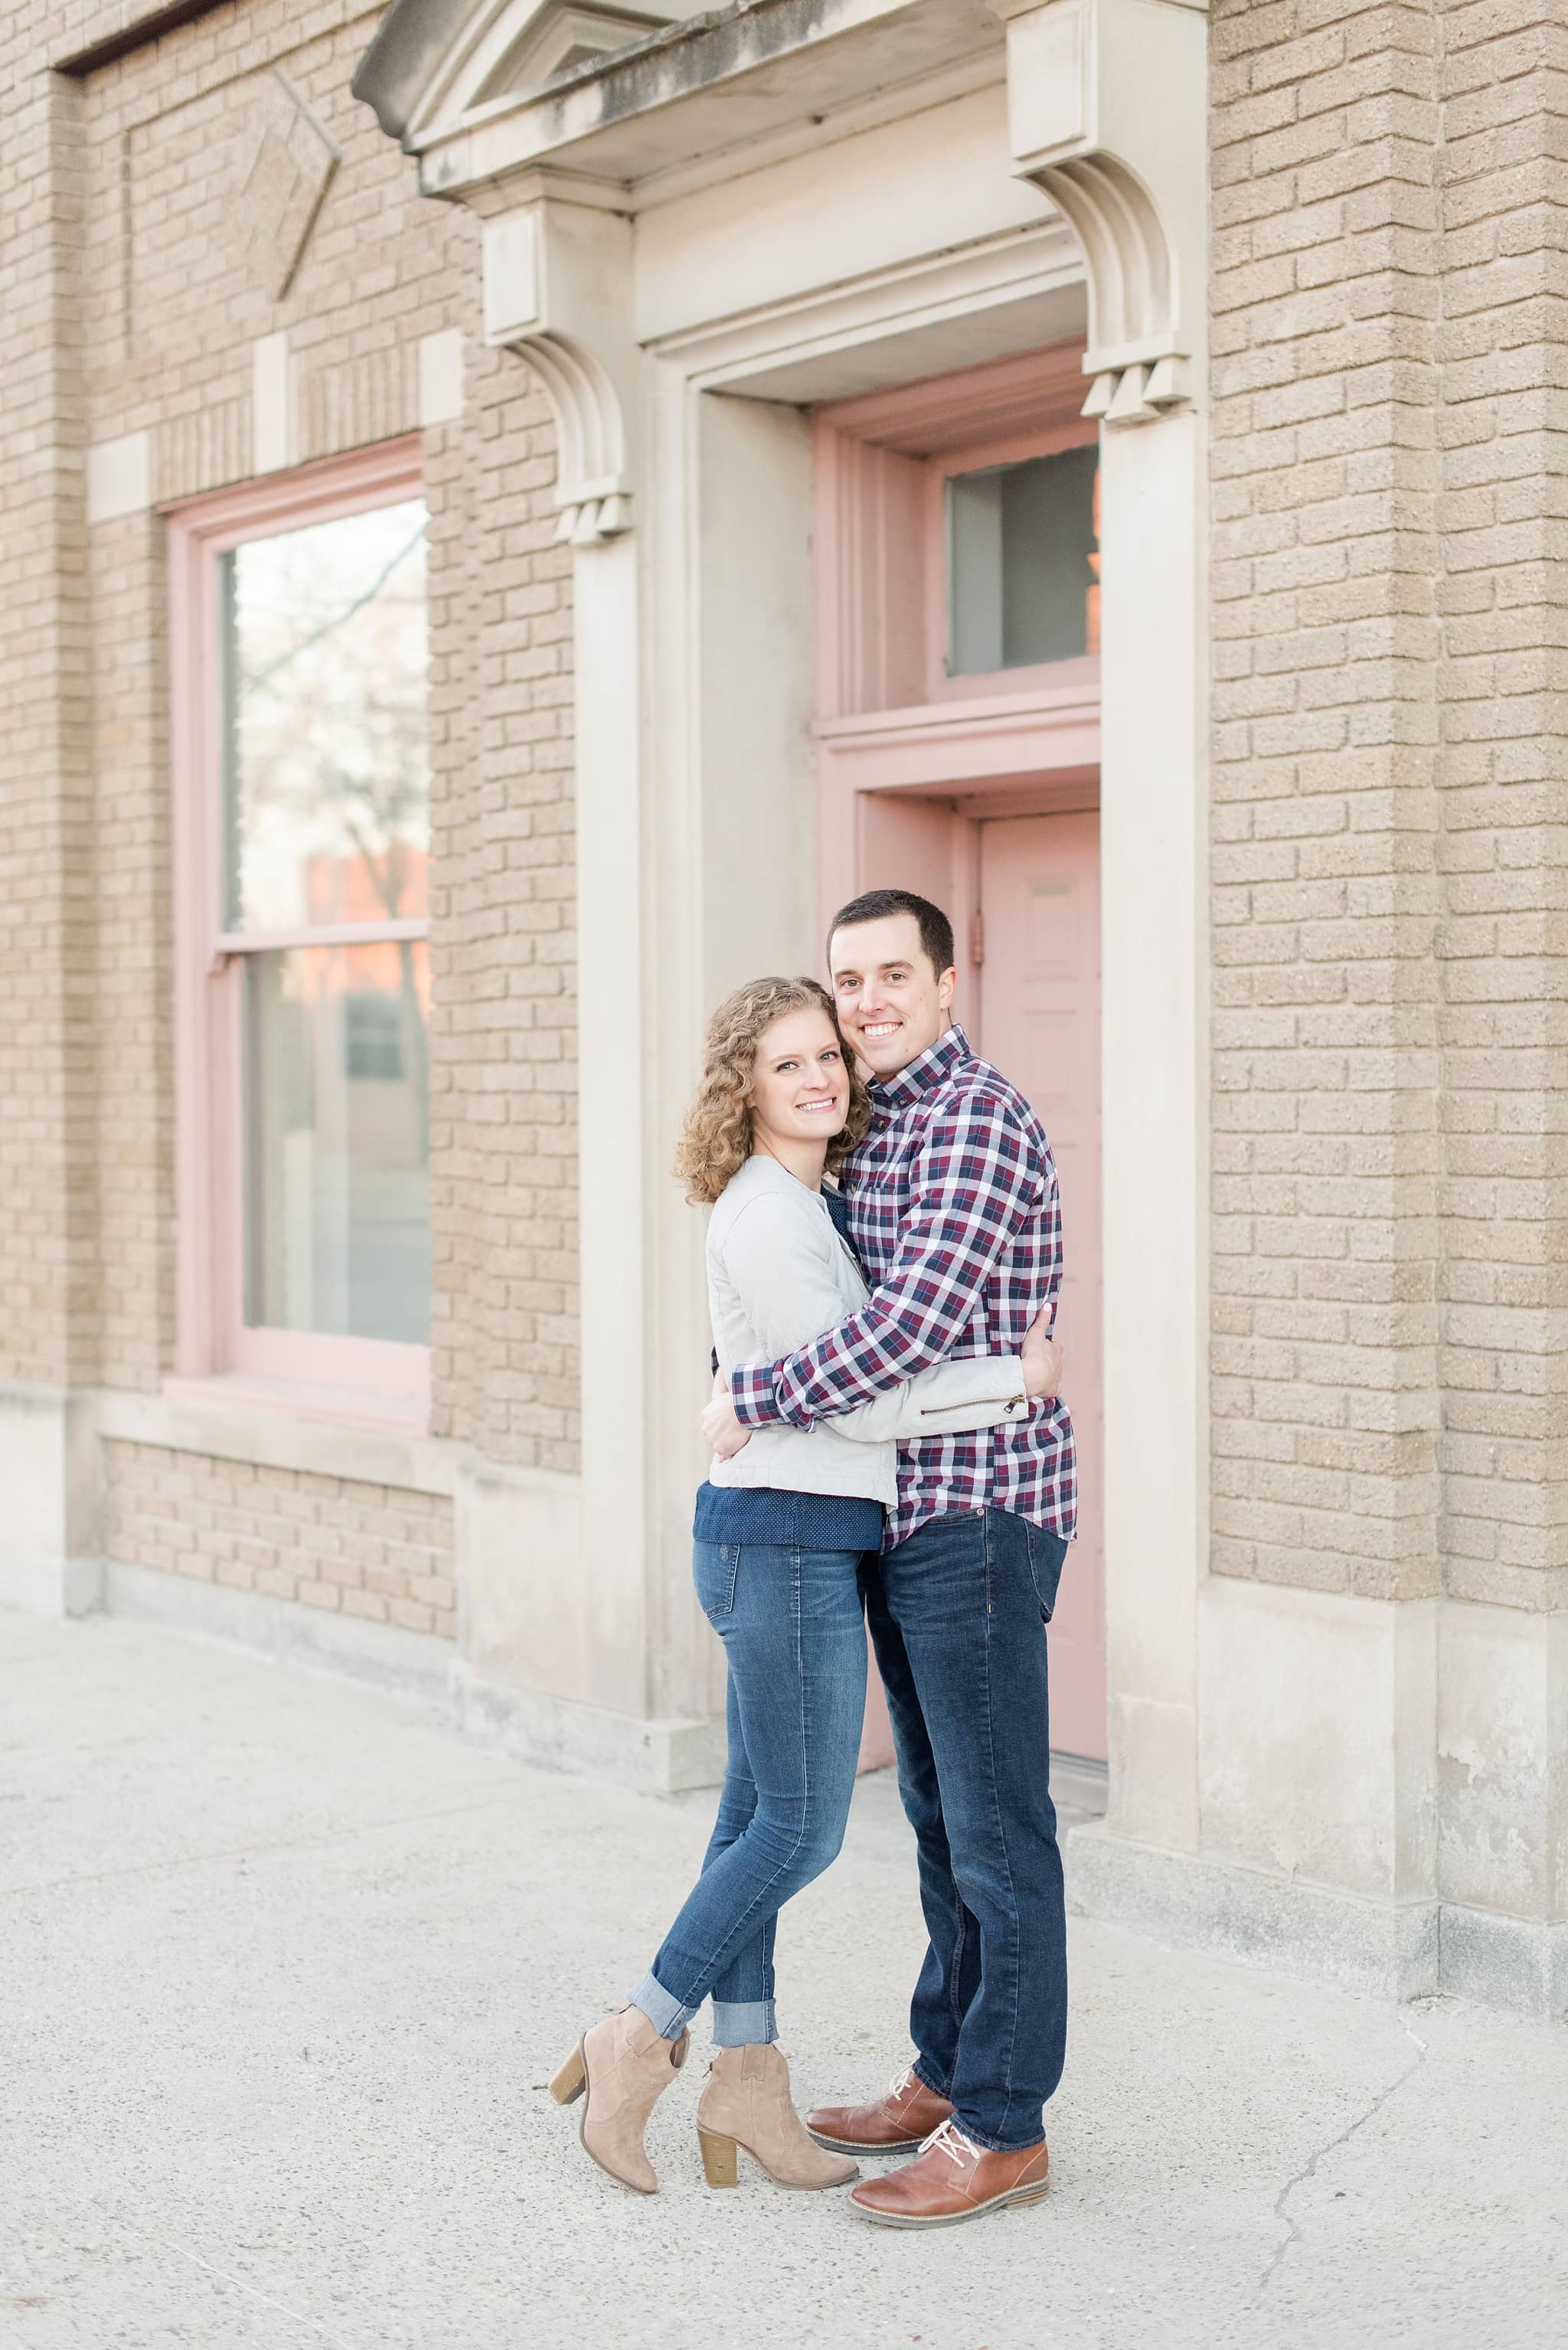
x=300, y=2316
x=1293, y=2233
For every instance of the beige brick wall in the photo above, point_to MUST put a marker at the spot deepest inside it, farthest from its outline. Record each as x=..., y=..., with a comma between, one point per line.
x=369, y=1550
x=46, y=1237
x=1504, y=939
x=1388, y=214
x=135, y=298
x=503, y=1125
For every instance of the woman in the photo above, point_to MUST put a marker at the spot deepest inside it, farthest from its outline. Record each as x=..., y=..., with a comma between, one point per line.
x=779, y=1535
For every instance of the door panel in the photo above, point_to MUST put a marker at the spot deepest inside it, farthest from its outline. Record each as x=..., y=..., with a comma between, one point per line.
x=1040, y=1023
x=908, y=844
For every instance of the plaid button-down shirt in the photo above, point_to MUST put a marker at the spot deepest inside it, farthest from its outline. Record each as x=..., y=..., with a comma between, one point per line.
x=953, y=1209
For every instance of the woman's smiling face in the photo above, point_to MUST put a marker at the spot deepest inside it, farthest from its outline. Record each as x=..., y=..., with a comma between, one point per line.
x=800, y=1084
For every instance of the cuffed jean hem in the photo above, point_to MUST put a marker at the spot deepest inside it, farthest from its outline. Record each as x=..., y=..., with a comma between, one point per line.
x=976, y=2136
x=743, y=2025
x=666, y=2014
x=998, y=2144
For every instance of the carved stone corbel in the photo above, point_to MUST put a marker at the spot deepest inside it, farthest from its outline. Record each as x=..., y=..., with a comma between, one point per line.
x=1107, y=114
x=557, y=292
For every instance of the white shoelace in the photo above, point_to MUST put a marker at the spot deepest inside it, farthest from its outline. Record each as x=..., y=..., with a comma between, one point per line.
x=948, y=2138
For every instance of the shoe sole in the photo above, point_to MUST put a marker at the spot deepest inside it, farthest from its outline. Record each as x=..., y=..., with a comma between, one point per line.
x=859, y=2145
x=1017, y=2197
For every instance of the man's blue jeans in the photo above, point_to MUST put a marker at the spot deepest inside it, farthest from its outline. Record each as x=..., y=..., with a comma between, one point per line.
x=958, y=1615
x=795, y=1641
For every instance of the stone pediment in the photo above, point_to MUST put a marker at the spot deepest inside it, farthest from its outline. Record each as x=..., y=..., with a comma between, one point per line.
x=1091, y=122
x=619, y=89
x=555, y=39
x=441, y=63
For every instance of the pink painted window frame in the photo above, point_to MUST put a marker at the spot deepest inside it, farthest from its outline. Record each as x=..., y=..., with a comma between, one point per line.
x=973, y=685
x=1021, y=737
x=1003, y=412
x=372, y=1382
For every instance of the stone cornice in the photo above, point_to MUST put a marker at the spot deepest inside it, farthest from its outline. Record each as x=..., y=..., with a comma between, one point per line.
x=711, y=83
x=136, y=30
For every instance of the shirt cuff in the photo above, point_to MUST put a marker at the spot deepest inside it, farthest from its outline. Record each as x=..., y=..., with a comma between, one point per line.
x=752, y=1394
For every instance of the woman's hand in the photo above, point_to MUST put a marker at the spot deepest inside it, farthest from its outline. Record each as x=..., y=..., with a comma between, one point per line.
x=725, y=1433
x=1042, y=1356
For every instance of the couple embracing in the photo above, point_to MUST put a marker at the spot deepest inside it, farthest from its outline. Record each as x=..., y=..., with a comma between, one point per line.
x=883, y=1263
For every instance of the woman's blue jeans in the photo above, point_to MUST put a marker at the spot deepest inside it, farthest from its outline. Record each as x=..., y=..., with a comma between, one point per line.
x=795, y=1641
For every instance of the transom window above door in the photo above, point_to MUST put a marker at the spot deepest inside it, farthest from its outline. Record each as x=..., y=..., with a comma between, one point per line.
x=1023, y=562
x=957, y=527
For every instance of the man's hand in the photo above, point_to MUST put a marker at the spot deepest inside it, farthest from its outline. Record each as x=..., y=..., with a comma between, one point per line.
x=1042, y=1356
x=723, y=1431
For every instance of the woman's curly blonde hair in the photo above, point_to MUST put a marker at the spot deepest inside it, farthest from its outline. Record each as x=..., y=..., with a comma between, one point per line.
x=717, y=1137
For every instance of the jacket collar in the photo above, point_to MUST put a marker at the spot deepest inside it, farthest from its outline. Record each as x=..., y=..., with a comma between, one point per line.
x=760, y=1172
x=926, y=1069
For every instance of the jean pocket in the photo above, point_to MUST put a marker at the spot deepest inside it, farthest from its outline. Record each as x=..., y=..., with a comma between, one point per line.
x=715, y=1568
x=1047, y=1553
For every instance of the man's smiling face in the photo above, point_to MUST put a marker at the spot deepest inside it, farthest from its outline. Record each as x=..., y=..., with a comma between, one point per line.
x=891, y=1003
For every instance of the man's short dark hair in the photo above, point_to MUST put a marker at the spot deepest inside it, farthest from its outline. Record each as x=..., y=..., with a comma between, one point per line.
x=936, y=931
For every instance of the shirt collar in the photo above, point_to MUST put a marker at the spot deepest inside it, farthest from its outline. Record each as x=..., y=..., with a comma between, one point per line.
x=926, y=1069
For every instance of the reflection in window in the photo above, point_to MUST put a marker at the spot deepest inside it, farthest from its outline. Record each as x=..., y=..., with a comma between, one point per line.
x=338, y=1144
x=1023, y=562
x=327, y=769
x=372, y=1038
x=326, y=836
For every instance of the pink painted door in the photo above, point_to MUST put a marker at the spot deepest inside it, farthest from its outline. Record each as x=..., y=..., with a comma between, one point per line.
x=1040, y=1007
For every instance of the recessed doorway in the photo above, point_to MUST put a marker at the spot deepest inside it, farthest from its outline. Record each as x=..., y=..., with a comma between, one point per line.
x=956, y=574
x=1038, y=984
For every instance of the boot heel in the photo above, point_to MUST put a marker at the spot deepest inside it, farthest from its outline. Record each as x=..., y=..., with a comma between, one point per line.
x=718, y=2162
x=1034, y=2195
x=571, y=2080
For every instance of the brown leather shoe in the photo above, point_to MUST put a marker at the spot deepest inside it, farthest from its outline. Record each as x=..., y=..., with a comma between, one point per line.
x=953, y=2179
x=896, y=2124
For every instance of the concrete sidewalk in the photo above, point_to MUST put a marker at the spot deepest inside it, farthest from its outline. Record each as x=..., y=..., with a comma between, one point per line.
x=286, y=1968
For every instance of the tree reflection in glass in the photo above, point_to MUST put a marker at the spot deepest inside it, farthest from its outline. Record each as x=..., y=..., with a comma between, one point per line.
x=326, y=832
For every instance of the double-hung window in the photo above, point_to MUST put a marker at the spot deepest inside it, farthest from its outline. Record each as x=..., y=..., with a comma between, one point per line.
x=302, y=777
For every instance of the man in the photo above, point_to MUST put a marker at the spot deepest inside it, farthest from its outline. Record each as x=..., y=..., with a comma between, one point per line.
x=952, y=1206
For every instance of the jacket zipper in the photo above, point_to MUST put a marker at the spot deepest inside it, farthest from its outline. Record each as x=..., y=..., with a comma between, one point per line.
x=935, y=1410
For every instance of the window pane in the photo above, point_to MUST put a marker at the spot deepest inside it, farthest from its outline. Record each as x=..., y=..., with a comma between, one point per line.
x=337, y=1140
x=1023, y=564
x=325, y=768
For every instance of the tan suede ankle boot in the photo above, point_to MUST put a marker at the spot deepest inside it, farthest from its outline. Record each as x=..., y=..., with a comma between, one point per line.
x=624, y=2065
x=747, y=2103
